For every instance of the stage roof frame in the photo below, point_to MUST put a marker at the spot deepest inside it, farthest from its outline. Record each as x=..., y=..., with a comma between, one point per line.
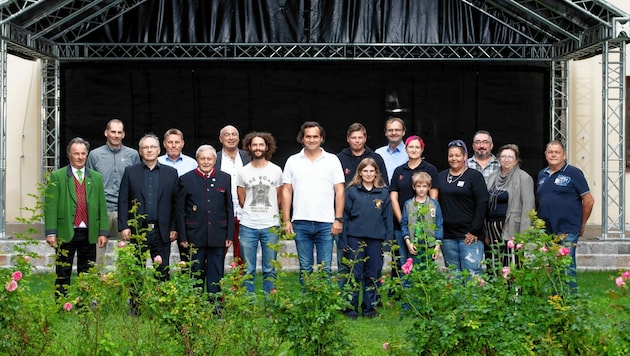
x=546, y=30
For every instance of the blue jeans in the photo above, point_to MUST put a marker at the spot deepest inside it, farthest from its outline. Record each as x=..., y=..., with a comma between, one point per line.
x=310, y=235
x=571, y=242
x=463, y=256
x=249, y=246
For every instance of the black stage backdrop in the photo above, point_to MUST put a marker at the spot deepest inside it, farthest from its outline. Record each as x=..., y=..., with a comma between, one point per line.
x=441, y=102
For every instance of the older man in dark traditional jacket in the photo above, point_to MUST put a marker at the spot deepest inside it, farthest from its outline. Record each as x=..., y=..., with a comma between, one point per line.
x=206, y=217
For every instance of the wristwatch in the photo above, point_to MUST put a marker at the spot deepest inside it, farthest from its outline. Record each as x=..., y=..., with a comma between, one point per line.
x=339, y=219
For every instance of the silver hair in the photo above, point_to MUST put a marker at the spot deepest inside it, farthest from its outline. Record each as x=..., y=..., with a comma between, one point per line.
x=206, y=148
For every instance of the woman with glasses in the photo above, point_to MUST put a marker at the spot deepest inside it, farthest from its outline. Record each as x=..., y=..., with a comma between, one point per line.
x=511, y=198
x=463, y=197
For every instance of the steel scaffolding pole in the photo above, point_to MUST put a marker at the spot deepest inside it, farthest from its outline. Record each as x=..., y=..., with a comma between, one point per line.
x=50, y=115
x=559, y=128
x=613, y=140
x=3, y=139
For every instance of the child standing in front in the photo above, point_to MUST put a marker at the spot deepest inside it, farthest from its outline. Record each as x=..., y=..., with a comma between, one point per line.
x=421, y=222
x=368, y=221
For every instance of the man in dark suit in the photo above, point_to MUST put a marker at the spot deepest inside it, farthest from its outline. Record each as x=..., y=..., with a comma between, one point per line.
x=230, y=160
x=154, y=186
x=206, y=217
x=75, y=213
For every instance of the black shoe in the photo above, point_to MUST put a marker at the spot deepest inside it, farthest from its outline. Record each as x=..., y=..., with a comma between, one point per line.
x=370, y=313
x=352, y=314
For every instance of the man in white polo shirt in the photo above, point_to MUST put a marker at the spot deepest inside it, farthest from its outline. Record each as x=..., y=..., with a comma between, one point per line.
x=314, y=186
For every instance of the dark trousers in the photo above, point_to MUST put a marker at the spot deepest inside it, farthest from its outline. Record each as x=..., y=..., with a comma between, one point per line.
x=366, y=272
x=86, y=257
x=209, y=262
x=236, y=245
x=157, y=247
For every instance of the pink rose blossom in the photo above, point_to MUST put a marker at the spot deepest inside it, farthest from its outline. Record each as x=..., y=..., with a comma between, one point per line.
x=17, y=275
x=11, y=286
x=510, y=244
x=625, y=275
x=382, y=280
x=620, y=281
x=519, y=246
x=273, y=291
x=67, y=306
x=406, y=268
x=564, y=251
x=27, y=258
x=233, y=288
x=543, y=248
x=386, y=346
x=157, y=260
x=482, y=282
x=121, y=244
x=233, y=265
x=505, y=271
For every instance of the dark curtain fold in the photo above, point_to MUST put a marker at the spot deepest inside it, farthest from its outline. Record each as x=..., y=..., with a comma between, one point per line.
x=300, y=21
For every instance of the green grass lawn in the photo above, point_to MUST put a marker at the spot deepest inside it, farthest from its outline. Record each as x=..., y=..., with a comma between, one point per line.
x=370, y=334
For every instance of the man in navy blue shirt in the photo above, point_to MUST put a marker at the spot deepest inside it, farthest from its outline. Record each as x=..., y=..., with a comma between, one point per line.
x=565, y=200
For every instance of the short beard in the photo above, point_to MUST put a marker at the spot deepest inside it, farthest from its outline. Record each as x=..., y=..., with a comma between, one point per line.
x=483, y=155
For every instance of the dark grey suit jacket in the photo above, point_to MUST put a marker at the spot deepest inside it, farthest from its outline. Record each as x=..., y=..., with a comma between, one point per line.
x=132, y=187
x=244, y=157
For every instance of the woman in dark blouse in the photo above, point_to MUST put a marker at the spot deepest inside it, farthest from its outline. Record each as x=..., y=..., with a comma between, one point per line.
x=463, y=197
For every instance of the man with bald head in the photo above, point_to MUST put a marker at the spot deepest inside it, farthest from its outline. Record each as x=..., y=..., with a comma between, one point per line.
x=230, y=160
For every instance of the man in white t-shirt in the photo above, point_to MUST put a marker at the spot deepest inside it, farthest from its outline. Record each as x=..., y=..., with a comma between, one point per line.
x=258, y=186
x=314, y=187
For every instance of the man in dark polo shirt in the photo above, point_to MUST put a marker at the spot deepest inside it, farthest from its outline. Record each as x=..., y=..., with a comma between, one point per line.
x=565, y=200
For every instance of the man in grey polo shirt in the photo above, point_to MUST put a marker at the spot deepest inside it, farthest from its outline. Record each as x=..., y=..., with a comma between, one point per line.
x=110, y=161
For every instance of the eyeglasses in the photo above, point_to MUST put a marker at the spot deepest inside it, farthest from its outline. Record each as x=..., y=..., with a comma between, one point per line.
x=457, y=143
x=146, y=148
x=507, y=158
x=479, y=142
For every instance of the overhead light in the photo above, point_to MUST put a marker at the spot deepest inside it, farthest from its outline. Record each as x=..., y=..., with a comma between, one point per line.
x=392, y=103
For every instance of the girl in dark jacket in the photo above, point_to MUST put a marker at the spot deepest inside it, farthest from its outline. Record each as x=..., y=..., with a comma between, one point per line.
x=367, y=223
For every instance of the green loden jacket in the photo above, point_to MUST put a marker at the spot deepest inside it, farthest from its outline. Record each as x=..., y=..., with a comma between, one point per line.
x=61, y=205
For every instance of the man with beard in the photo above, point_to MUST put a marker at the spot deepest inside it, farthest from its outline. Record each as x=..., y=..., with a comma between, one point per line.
x=259, y=186
x=483, y=160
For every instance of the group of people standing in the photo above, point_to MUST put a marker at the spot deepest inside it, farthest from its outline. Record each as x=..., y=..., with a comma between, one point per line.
x=362, y=199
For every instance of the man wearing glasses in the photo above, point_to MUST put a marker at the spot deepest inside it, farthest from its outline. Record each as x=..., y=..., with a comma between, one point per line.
x=393, y=153
x=154, y=186
x=483, y=160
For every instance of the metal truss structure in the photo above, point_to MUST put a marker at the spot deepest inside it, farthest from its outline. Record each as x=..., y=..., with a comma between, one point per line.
x=551, y=31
